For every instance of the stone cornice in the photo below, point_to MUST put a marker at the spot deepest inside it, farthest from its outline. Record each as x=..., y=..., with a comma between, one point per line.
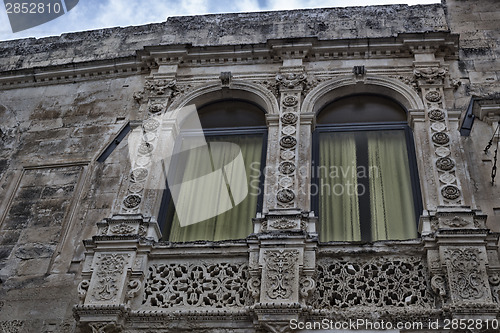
x=309, y=49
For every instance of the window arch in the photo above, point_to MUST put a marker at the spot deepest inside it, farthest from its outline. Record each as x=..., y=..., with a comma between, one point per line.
x=233, y=129
x=365, y=171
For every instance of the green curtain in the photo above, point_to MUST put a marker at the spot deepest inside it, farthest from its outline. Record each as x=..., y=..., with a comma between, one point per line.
x=236, y=222
x=339, y=212
x=391, y=198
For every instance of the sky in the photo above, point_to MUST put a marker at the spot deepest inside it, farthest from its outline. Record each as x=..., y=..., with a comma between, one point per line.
x=96, y=14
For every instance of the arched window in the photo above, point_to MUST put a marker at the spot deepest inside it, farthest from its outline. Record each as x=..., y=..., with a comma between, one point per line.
x=234, y=130
x=365, y=171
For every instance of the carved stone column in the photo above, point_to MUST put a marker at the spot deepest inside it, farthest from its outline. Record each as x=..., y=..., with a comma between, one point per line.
x=282, y=258
x=113, y=272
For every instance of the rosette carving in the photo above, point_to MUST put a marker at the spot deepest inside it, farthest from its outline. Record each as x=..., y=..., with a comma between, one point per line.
x=285, y=195
x=290, y=101
x=436, y=114
x=440, y=138
x=288, y=142
x=132, y=201
x=445, y=163
x=286, y=168
x=289, y=118
x=450, y=192
x=433, y=96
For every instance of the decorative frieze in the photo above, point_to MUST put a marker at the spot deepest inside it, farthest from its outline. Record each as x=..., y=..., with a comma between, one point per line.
x=377, y=282
x=217, y=285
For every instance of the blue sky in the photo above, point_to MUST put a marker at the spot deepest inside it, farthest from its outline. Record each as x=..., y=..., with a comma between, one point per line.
x=96, y=14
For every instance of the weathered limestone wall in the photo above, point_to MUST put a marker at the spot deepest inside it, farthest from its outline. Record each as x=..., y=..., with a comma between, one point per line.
x=218, y=29
x=479, y=69
x=50, y=135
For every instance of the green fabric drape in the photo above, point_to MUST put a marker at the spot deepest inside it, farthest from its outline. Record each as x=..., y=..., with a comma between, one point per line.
x=337, y=187
x=236, y=222
x=385, y=171
x=391, y=198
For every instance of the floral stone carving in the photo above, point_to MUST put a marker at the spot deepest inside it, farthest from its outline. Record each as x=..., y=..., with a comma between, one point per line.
x=280, y=269
x=132, y=201
x=285, y=195
x=440, y=138
x=288, y=142
x=433, y=96
x=450, y=192
x=218, y=285
x=445, y=163
x=289, y=118
x=466, y=280
x=291, y=80
x=286, y=168
x=377, y=282
x=109, y=269
x=290, y=101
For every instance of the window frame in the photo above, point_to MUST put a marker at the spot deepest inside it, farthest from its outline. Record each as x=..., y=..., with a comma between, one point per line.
x=372, y=126
x=165, y=216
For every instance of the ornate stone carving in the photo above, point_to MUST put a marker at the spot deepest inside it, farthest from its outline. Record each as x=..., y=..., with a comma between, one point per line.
x=254, y=287
x=11, y=326
x=430, y=74
x=136, y=187
x=438, y=283
x=109, y=268
x=280, y=268
x=433, y=96
x=225, y=78
x=445, y=163
x=307, y=285
x=105, y=328
x=442, y=151
x=436, y=114
x=291, y=80
x=123, y=228
x=218, y=285
x=283, y=224
x=466, y=280
x=455, y=222
x=156, y=108
x=145, y=148
x=287, y=168
x=285, y=195
x=495, y=286
x=161, y=87
x=450, y=192
x=440, y=138
x=289, y=118
x=138, y=96
x=288, y=142
x=139, y=174
x=287, y=154
x=134, y=288
x=377, y=282
x=83, y=287
x=132, y=201
x=290, y=101
x=150, y=124
x=288, y=130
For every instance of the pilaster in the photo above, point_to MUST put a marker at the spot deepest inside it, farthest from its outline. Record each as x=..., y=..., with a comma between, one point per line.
x=113, y=272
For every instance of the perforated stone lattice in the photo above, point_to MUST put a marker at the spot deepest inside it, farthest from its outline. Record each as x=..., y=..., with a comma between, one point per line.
x=218, y=285
x=379, y=282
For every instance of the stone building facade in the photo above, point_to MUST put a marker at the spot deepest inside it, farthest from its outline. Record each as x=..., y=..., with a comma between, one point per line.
x=81, y=247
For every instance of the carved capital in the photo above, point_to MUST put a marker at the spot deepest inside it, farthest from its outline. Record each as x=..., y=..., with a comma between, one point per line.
x=291, y=81
x=430, y=75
